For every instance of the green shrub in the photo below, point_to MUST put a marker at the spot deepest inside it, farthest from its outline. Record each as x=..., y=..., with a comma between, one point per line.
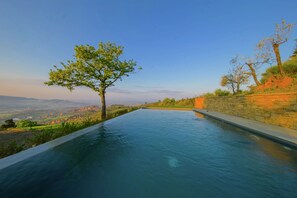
x=208, y=94
x=220, y=92
x=168, y=102
x=26, y=123
x=290, y=68
x=42, y=137
x=12, y=148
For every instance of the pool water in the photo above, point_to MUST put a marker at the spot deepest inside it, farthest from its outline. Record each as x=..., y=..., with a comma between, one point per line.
x=153, y=153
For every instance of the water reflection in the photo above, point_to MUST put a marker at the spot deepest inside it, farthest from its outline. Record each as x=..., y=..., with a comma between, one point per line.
x=199, y=115
x=69, y=160
x=278, y=151
x=269, y=147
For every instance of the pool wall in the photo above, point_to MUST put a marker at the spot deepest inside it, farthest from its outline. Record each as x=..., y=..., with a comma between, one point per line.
x=277, y=109
x=284, y=136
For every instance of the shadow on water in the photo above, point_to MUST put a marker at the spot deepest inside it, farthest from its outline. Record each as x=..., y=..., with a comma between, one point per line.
x=269, y=147
x=32, y=177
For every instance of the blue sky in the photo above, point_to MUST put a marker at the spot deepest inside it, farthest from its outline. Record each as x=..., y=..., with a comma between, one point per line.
x=184, y=47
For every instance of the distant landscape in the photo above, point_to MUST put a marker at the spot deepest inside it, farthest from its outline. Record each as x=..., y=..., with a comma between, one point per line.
x=20, y=108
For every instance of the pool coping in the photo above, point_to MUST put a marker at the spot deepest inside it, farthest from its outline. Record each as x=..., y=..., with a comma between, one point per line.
x=285, y=136
x=30, y=152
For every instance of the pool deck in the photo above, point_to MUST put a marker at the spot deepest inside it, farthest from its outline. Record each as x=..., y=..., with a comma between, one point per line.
x=278, y=134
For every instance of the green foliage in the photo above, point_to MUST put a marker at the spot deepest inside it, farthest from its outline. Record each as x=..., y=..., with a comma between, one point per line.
x=220, y=92
x=26, y=123
x=45, y=133
x=64, y=128
x=290, y=68
x=8, y=124
x=185, y=102
x=12, y=148
x=294, y=55
x=94, y=68
x=208, y=94
x=117, y=113
x=168, y=102
x=42, y=137
x=171, y=102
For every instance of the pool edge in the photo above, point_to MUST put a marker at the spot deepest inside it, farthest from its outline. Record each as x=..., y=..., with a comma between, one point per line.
x=278, y=134
x=31, y=152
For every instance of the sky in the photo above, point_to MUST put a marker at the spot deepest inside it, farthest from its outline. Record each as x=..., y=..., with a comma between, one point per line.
x=183, y=46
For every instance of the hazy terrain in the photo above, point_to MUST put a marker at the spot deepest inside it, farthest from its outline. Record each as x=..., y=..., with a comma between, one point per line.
x=35, y=109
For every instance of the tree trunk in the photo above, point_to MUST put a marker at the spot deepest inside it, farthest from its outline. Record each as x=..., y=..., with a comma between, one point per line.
x=253, y=73
x=237, y=88
x=103, y=105
x=278, y=59
x=233, y=88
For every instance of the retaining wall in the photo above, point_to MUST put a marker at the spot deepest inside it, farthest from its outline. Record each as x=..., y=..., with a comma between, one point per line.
x=277, y=109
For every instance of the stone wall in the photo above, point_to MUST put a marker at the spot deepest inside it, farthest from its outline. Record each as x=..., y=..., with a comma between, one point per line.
x=278, y=109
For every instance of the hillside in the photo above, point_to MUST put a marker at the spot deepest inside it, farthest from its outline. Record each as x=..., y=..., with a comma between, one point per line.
x=35, y=109
x=10, y=103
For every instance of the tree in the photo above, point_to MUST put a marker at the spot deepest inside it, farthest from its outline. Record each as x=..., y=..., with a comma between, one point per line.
x=235, y=79
x=281, y=35
x=252, y=64
x=8, y=124
x=168, y=102
x=94, y=68
x=227, y=81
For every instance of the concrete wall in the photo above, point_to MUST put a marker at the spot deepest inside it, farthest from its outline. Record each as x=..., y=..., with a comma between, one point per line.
x=278, y=109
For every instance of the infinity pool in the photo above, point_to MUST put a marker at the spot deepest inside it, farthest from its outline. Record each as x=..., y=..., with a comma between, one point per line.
x=152, y=153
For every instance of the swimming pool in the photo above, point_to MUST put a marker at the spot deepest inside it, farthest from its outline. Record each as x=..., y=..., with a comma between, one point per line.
x=153, y=153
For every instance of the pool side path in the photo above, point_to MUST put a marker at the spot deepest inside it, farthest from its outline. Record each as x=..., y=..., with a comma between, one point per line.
x=282, y=135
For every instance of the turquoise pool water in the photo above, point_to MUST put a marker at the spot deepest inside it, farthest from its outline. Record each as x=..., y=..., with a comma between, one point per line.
x=152, y=153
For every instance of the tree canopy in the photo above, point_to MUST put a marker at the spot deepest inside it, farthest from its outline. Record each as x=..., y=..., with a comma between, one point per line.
x=280, y=36
x=94, y=68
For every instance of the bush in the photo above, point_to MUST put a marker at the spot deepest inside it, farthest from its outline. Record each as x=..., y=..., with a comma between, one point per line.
x=26, y=123
x=208, y=94
x=12, y=148
x=8, y=124
x=290, y=68
x=220, y=92
x=42, y=137
x=168, y=102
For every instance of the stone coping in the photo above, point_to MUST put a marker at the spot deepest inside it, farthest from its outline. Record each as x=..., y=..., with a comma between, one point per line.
x=278, y=134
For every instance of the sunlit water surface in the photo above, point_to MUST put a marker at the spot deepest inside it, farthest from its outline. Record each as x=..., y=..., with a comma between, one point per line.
x=151, y=153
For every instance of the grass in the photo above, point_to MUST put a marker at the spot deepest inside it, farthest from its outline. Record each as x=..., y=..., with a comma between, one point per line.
x=45, y=133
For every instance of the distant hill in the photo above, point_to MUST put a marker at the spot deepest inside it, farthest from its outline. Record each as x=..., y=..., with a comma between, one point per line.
x=11, y=103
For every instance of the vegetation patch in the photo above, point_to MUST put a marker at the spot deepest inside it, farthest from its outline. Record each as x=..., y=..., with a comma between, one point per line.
x=45, y=133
